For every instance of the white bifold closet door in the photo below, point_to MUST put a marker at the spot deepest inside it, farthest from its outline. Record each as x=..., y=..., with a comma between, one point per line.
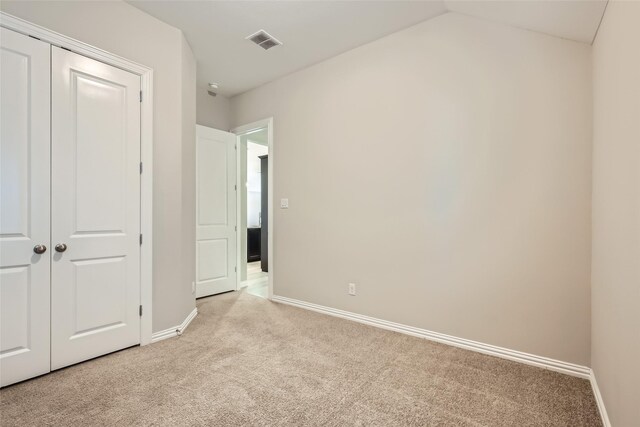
x=24, y=207
x=69, y=208
x=215, y=211
x=95, y=208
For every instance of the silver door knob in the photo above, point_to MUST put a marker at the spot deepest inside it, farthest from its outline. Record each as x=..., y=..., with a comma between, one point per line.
x=61, y=247
x=39, y=249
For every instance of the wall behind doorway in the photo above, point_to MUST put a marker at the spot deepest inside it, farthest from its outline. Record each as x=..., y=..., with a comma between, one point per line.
x=254, y=179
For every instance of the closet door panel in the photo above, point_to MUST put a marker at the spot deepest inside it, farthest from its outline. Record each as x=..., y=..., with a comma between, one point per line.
x=24, y=207
x=95, y=208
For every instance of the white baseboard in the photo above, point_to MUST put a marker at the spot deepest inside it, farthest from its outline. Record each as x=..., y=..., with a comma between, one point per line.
x=599, y=401
x=505, y=353
x=176, y=330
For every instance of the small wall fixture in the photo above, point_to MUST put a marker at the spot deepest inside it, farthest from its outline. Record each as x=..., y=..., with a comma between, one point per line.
x=213, y=88
x=264, y=40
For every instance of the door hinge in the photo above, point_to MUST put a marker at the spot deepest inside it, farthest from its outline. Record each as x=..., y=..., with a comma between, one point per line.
x=140, y=311
x=236, y=228
x=140, y=239
x=140, y=168
x=235, y=269
x=235, y=187
x=140, y=96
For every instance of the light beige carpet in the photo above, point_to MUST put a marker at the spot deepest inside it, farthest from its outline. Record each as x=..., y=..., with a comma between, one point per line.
x=247, y=361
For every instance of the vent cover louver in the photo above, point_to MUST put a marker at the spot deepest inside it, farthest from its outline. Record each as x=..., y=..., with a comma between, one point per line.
x=264, y=40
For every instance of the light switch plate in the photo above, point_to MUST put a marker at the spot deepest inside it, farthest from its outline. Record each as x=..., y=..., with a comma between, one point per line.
x=284, y=203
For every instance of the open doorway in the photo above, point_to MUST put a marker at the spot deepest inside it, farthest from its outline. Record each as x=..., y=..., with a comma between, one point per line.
x=254, y=253
x=254, y=201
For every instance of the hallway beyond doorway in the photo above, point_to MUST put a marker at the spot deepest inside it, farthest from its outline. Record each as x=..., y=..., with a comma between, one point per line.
x=257, y=282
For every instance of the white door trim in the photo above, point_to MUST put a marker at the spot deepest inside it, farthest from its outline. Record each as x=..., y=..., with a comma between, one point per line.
x=146, y=147
x=241, y=130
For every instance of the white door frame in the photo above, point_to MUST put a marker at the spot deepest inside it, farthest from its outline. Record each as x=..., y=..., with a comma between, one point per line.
x=146, y=147
x=242, y=130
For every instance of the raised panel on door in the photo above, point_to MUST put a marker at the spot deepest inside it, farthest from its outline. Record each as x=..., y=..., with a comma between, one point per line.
x=95, y=208
x=24, y=207
x=216, y=211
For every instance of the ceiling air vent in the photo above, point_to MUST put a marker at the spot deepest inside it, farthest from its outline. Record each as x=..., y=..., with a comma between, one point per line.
x=264, y=40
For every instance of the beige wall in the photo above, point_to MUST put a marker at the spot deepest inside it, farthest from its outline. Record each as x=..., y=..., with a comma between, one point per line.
x=213, y=112
x=445, y=169
x=188, y=253
x=126, y=31
x=616, y=212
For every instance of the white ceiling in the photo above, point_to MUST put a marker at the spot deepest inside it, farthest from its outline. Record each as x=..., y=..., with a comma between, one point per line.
x=310, y=30
x=570, y=19
x=316, y=30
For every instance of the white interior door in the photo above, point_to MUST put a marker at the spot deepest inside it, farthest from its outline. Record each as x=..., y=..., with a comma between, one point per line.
x=95, y=211
x=215, y=211
x=24, y=207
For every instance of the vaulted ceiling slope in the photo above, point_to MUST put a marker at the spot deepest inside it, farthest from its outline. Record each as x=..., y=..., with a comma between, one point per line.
x=576, y=20
x=313, y=31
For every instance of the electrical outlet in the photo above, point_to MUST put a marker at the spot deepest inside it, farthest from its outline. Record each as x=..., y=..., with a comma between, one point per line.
x=352, y=288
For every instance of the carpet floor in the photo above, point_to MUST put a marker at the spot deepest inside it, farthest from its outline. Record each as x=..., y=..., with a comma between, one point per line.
x=246, y=361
